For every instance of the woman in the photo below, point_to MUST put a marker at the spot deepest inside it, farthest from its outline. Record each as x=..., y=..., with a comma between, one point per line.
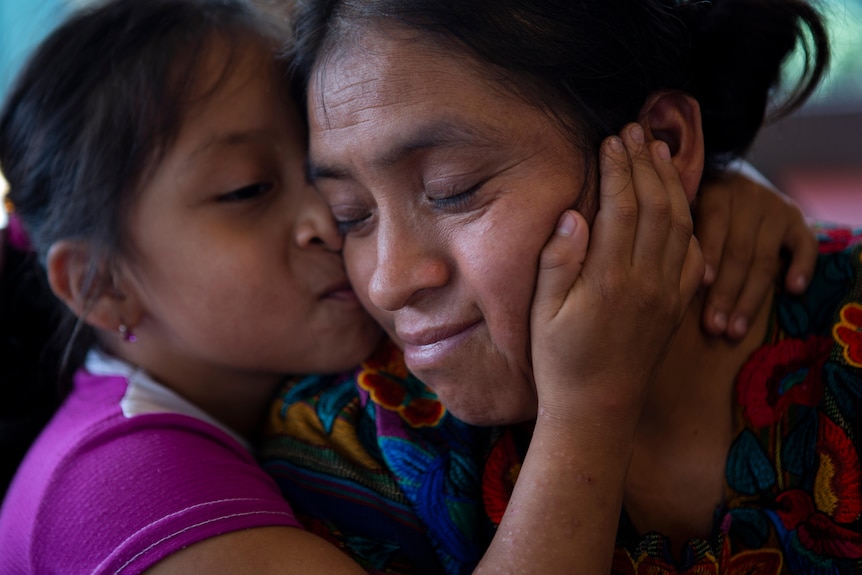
x=438, y=132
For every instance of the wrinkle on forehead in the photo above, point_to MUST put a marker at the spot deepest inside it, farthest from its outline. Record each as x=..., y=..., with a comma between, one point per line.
x=356, y=68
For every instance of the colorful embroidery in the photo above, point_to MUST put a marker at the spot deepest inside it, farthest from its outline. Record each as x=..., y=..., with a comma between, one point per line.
x=836, y=239
x=779, y=375
x=499, y=477
x=848, y=333
x=383, y=376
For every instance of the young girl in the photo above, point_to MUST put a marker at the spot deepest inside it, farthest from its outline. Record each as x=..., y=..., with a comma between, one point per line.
x=158, y=164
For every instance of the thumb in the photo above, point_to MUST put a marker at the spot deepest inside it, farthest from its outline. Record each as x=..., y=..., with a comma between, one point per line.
x=560, y=265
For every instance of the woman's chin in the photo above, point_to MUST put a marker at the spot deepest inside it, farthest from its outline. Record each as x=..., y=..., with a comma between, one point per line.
x=490, y=412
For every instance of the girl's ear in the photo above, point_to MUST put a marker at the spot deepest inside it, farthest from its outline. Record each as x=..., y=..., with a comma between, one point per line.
x=92, y=295
x=674, y=118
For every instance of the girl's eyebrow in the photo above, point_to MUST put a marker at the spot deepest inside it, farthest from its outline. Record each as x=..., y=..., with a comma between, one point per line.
x=227, y=140
x=441, y=133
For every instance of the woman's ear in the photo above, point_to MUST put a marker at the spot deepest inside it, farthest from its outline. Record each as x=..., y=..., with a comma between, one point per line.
x=674, y=118
x=92, y=295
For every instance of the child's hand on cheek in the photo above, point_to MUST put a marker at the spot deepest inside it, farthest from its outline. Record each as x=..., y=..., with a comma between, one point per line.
x=602, y=327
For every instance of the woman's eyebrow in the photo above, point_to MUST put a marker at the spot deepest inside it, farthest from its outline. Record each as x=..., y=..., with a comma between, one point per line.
x=440, y=134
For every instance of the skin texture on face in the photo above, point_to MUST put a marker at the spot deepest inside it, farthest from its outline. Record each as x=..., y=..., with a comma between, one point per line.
x=447, y=185
x=233, y=275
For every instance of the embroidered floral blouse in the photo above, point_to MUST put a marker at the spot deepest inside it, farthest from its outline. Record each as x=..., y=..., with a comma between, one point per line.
x=373, y=462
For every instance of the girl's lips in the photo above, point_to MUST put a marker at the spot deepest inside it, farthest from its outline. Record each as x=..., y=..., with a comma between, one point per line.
x=341, y=292
x=428, y=348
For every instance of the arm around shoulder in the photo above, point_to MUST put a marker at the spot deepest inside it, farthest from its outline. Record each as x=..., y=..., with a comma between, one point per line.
x=260, y=551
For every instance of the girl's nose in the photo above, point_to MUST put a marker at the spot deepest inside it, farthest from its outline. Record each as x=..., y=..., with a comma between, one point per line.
x=316, y=226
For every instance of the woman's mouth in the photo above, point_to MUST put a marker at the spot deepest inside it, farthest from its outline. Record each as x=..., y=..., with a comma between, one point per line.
x=427, y=348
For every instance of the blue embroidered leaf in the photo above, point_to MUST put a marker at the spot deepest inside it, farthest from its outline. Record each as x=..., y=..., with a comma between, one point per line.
x=749, y=470
x=331, y=403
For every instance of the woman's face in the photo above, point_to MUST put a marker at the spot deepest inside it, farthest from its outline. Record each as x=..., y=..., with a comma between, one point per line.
x=447, y=186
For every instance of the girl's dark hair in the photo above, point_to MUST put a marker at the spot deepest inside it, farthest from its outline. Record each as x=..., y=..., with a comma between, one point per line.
x=593, y=63
x=95, y=108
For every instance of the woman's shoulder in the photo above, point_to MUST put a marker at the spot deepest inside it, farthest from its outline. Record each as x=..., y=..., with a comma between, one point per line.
x=794, y=468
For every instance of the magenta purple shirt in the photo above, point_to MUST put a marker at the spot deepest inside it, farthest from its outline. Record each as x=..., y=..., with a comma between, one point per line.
x=125, y=474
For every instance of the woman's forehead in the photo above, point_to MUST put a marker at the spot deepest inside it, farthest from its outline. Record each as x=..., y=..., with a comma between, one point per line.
x=393, y=67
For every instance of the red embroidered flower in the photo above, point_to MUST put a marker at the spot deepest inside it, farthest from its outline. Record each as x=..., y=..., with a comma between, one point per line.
x=383, y=389
x=423, y=412
x=838, y=485
x=384, y=376
x=836, y=239
x=782, y=374
x=848, y=332
x=498, y=478
x=756, y=562
x=387, y=358
x=837, y=498
x=814, y=529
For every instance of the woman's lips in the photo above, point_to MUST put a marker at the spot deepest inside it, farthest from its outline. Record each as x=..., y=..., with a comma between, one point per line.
x=428, y=348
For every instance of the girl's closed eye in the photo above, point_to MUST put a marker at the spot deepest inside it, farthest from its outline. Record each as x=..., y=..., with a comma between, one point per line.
x=247, y=193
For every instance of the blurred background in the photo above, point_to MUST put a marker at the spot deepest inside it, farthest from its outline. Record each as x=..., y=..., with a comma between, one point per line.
x=815, y=156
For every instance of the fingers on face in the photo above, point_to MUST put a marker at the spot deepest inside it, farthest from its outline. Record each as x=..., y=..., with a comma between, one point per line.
x=644, y=221
x=560, y=265
x=614, y=228
x=662, y=240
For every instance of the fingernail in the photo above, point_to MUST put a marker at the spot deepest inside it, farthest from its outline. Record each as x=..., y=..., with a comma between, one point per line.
x=800, y=282
x=740, y=326
x=663, y=151
x=615, y=144
x=720, y=320
x=566, y=225
x=708, y=274
x=637, y=133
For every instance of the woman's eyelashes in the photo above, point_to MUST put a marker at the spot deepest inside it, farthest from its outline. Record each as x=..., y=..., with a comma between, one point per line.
x=442, y=197
x=452, y=196
x=350, y=221
x=247, y=193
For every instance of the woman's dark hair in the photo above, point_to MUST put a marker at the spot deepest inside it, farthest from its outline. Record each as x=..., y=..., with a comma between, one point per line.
x=95, y=108
x=593, y=63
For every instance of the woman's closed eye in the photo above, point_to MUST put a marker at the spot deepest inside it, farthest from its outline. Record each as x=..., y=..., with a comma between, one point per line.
x=247, y=193
x=350, y=221
x=453, y=199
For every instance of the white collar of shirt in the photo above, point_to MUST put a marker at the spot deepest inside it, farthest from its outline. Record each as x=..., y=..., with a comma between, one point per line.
x=145, y=395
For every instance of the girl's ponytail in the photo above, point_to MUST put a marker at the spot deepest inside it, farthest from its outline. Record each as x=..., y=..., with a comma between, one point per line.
x=30, y=352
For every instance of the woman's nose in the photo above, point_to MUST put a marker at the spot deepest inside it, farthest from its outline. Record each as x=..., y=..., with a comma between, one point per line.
x=408, y=267
x=315, y=224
